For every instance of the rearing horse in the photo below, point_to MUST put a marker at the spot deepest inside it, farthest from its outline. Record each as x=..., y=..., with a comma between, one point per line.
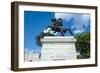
x=57, y=26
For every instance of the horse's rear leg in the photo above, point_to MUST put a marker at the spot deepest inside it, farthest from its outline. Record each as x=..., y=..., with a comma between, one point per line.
x=69, y=31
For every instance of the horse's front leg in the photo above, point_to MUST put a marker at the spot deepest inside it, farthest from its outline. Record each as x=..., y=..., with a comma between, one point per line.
x=62, y=33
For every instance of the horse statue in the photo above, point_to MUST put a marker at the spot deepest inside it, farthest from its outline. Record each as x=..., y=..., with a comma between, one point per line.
x=57, y=26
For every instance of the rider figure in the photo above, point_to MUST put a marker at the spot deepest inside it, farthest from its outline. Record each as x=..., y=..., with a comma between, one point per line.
x=57, y=23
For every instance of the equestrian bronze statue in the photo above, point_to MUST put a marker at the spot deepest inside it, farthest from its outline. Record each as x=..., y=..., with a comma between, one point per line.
x=57, y=26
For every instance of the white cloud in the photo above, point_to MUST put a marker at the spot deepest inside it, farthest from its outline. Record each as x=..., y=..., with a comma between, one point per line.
x=72, y=26
x=78, y=31
x=79, y=21
x=64, y=16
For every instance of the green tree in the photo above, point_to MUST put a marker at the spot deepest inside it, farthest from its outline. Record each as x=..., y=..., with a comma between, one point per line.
x=83, y=45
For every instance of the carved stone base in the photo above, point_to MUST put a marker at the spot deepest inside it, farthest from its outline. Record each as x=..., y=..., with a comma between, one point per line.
x=58, y=48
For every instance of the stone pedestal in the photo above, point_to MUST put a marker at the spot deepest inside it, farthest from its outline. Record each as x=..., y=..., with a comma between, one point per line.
x=58, y=48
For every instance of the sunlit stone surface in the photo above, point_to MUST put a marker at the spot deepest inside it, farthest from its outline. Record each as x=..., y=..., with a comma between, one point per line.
x=58, y=48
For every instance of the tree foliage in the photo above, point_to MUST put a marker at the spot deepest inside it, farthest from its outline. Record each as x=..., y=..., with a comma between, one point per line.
x=83, y=45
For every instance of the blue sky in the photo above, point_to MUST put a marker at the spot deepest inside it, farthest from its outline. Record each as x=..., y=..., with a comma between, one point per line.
x=36, y=22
